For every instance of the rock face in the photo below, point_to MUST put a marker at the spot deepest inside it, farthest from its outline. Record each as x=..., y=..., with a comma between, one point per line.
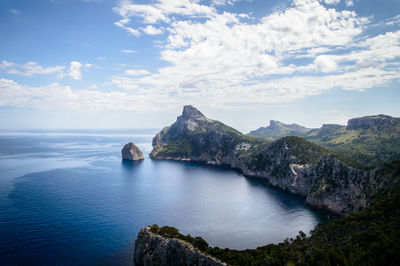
x=131, y=152
x=376, y=121
x=153, y=249
x=292, y=164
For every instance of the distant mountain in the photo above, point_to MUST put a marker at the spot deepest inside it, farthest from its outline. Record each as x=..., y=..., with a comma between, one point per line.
x=278, y=129
x=368, y=140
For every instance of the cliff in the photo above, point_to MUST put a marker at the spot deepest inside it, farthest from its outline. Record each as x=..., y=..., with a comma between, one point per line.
x=292, y=164
x=155, y=249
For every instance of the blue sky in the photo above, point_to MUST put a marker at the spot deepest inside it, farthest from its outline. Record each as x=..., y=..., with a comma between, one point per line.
x=134, y=64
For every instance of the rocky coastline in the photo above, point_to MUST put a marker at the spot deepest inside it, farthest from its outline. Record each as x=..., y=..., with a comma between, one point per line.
x=291, y=164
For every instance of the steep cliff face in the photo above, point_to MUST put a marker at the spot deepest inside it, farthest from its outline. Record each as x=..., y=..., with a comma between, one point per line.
x=196, y=137
x=154, y=249
x=380, y=122
x=290, y=163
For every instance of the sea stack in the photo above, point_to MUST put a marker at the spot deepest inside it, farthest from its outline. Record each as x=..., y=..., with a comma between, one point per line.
x=131, y=152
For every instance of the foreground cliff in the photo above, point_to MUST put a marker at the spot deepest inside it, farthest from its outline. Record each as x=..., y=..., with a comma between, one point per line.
x=153, y=248
x=290, y=163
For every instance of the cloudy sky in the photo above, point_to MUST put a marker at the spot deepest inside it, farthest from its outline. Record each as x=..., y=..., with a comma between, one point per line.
x=134, y=64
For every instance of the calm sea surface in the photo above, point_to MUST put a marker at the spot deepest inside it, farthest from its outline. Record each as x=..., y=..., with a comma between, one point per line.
x=67, y=198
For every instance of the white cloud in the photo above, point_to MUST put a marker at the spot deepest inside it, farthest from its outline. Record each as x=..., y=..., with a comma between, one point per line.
x=325, y=63
x=159, y=11
x=75, y=70
x=130, y=30
x=349, y=3
x=225, y=58
x=32, y=68
x=136, y=72
x=28, y=69
x=222, y=59
x=56, y=96
x=332, y=2
x=151, y=30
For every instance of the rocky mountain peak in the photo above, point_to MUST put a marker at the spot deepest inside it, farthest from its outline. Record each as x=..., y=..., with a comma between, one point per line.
x=275, y=124
x=190, y=112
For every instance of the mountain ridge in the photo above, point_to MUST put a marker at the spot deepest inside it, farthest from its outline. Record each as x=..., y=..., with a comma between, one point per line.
x=291, y=163
x=369, y=140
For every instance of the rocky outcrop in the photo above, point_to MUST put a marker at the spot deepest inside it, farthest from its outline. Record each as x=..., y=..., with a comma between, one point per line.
x=292, y=164
x=154, y=249
x=131, y=152
x=376, y=121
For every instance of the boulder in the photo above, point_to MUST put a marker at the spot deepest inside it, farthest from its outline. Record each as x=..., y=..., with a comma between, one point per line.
x=131, y=152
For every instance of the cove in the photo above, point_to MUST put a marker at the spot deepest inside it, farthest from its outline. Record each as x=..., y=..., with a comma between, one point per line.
x=86, y=206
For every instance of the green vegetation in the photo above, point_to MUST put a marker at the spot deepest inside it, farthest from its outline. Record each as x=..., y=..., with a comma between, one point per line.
x=180, y=147
x=172, y=232
x=278, y=130
x=365, y=142
x=366, y=146
x=368, y=237
x=292, y=149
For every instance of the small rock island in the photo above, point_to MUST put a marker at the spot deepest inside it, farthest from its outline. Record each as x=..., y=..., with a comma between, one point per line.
x=131, y=152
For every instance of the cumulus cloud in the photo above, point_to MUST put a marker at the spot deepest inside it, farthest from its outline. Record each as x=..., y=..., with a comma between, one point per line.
x=32, y=68
x=28, y=69
x=75, y=70
x=349, y=3
x=56, y=96
x=222, y=58
x=160, y=11
x=150, y=30
x=325, y=63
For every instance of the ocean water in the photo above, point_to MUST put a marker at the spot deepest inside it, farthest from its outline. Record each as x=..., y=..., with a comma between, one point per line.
x=68, y=198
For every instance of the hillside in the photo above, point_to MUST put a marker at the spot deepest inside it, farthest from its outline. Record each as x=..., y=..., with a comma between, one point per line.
x=293, y=164
x=369, y=140
x=278, y=129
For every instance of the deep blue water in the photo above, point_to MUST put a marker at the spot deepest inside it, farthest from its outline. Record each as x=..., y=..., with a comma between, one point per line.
x=67, y=198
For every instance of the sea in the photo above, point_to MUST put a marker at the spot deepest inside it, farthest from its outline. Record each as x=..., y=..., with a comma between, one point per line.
x=67, y=198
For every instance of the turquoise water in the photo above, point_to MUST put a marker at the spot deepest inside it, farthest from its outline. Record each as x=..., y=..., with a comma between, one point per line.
x=67, y=198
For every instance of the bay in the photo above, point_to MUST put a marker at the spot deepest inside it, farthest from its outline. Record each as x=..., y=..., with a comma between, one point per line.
x=66, y=197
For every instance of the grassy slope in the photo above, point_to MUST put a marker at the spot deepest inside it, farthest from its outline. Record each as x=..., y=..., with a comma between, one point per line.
x=368, y=147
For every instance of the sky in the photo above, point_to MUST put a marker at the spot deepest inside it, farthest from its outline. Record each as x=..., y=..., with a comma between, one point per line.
x=102, y=64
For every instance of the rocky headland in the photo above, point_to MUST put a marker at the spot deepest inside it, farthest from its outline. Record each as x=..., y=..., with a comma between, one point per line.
x=292, y=164
x=152, y=248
